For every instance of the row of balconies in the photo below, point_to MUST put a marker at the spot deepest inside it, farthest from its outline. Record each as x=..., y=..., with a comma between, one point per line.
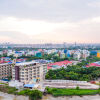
x=29, y=78
x=5, y=72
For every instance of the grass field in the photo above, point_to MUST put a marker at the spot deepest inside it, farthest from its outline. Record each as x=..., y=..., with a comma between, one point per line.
x=71, y=92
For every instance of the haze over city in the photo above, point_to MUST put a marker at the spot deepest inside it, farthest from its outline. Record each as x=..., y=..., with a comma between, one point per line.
x=44, y=21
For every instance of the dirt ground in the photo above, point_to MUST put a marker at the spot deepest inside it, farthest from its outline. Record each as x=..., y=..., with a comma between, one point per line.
x=49, y=97
x=4, y=96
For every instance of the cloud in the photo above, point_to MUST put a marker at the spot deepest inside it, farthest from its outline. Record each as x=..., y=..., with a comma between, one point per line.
x=36, y=31
x=36, y=21
x=86, y=31
x=94, y=4
x=48, y=10
x=21, y=30
x=13, y=37
x=29, y=27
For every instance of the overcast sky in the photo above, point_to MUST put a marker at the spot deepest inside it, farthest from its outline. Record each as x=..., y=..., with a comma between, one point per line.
x=44, y=21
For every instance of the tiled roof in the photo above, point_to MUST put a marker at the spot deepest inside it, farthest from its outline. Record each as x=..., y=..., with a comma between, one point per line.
x=97, y=64
x=61, y=63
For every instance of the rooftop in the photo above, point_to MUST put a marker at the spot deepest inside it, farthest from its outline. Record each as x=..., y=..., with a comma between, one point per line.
x=61, y=63
x=25, y=63
x=96, y=64
x=4, y=64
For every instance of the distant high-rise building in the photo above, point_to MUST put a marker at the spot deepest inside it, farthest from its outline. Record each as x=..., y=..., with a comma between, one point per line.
x=64, y=44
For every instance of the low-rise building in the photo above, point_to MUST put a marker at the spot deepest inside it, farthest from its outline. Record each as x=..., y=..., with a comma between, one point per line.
x=58, y=65
x=16, y=84
x=77, y=55
x=94, y=64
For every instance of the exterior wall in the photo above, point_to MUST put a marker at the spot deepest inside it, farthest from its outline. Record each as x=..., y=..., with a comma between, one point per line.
x=5, y=70
x=43, y=71
x=29, y=72
x=98, y=55
x=77, y=55
x=16, y=72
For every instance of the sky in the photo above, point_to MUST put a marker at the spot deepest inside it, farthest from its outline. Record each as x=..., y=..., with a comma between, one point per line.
x=49, y=21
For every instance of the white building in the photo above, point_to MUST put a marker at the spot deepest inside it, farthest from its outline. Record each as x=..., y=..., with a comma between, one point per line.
x=77, y=55
x=16, y=84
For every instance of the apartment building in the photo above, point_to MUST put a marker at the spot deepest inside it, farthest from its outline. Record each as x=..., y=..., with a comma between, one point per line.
x=28, y=71
x=5, y=70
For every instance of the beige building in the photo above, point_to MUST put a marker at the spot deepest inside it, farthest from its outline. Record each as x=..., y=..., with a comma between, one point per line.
x=5, y=70
x=29, y=71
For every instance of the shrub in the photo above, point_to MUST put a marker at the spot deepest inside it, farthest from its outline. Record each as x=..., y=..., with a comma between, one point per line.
x=33, y=94
x=77, y=88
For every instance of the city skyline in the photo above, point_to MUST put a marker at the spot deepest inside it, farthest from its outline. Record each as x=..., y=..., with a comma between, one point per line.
x=49, y=21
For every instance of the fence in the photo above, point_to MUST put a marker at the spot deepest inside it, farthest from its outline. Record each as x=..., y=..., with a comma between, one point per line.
x=65, y=81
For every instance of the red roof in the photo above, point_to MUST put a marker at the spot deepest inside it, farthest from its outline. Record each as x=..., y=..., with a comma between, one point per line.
x=1, y=61
x=93, y=64
x=49, y=67
x=7, y=61
x=65, y=62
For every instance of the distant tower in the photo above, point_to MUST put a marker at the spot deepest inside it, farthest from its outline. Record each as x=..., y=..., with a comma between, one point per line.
x=64, y=45
x=75, y=44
